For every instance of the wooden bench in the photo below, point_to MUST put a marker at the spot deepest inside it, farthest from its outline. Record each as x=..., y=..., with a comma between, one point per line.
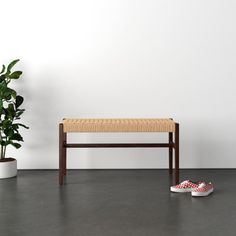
x=119, y=125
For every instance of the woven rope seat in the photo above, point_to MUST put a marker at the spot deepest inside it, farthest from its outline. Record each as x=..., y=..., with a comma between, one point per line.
x=118, y=125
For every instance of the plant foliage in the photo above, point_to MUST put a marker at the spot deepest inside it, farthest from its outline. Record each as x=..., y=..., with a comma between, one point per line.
x=10, y=109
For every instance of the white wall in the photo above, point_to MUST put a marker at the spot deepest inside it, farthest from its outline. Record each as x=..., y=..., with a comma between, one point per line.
x=126, y=58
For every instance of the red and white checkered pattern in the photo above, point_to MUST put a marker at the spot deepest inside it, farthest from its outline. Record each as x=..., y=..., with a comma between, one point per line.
x=185, y=186
x=203, y=190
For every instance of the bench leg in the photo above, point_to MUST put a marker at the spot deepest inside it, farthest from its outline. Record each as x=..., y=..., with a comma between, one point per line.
x=170, y=154
x=62, y=154
x=176, y=153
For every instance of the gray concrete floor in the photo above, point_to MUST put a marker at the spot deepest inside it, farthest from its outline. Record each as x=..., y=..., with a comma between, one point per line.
x=115, y=203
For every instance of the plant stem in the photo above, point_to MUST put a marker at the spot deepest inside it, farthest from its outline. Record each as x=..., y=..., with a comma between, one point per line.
x=4, y=151
x=1, y=153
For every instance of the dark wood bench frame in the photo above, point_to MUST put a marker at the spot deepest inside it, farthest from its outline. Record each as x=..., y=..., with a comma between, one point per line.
x=63, y=145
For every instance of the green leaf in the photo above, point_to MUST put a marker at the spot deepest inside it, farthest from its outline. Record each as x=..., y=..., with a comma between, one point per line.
x=11, y=92
x=8, y=97
x=19, y=101
x=16, y=145
x=6, y=124
x=3, y=69
x=5, y=92
x=2, y=78
x=22, y=125
x=8, y=132
x=11, y=109
x=19, y=113
x=15, y=75
x=16, y=136
x=10, y=66
x=15, y=127
x=3, y=89
x=5, y=112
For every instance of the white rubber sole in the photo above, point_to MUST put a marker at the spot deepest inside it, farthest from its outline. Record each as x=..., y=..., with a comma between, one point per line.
x=202, y=194
x=181, y=190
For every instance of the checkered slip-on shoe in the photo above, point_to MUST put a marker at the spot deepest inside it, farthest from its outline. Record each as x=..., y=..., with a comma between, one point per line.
x=184, y=187
x=203, y=190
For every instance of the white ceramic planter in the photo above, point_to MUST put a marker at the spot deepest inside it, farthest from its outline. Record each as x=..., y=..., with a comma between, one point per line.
x=8, y=169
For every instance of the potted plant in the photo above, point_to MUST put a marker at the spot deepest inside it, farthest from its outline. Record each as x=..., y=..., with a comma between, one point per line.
x=10, y=114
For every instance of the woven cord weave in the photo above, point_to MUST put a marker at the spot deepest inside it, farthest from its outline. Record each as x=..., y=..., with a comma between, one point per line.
x=118, y=125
